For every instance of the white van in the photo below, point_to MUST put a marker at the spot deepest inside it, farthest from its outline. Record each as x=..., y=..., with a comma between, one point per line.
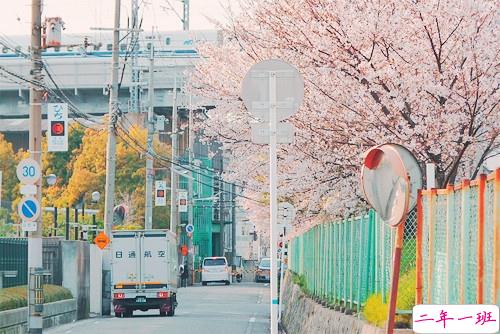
x=215, y=269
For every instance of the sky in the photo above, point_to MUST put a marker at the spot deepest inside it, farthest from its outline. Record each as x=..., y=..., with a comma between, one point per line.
x=80, y=15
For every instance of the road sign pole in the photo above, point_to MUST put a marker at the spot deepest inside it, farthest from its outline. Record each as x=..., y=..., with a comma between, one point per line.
x=273, y=162
x=282, y=254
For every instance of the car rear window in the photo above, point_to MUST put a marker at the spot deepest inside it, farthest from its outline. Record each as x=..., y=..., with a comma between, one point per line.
x=265, y=263
x=214, y=262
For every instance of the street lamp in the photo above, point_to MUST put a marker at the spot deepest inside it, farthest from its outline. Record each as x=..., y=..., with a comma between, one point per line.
x=96, y=196
x=51, y=179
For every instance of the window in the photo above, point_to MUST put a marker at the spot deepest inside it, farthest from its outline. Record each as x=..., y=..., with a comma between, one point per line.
x=265, y=263
x=167, y=41
x=109, y=47
x=123, y=47
x=214, y=262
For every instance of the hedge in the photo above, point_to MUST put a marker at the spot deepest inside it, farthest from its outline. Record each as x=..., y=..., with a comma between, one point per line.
x=15, y=297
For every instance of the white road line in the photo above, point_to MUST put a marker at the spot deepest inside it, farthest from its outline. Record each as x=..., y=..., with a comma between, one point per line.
x=252, y=319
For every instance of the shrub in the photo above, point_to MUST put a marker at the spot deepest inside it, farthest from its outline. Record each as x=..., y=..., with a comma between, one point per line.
x=15, y=297
x=300, y=280
x=375, y=311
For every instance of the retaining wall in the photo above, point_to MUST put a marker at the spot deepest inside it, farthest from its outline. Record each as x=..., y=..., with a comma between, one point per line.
x=302, y=315
x=54, y=314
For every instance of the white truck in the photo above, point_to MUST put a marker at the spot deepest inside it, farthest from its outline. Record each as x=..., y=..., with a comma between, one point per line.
x=144, y=271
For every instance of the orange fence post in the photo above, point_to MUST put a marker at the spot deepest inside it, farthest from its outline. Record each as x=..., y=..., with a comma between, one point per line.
x=418, y=265
x=465, y=192
x=480, y=240
x=450, y=203
x=496, y=229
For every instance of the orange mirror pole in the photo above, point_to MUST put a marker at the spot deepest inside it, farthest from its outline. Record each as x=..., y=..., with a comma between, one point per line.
x=395, y=276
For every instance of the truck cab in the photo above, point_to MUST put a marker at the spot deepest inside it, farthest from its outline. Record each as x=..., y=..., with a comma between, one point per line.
x=144, y=271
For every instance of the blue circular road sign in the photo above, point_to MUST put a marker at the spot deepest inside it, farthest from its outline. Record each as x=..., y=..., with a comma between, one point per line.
x=29, y=209
x=189, y=228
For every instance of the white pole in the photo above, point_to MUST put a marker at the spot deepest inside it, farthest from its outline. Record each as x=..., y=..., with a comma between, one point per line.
x=430, y=174
x=280, y=305
x=173, y=176
x=148, y=221
x=190, y=192
x=273, y=173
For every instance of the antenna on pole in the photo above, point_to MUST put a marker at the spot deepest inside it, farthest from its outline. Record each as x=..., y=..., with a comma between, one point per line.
x=185, y=12
x=185, y=15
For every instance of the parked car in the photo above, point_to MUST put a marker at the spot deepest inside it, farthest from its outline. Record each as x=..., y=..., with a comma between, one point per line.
x=263, y=273
x=215, y=269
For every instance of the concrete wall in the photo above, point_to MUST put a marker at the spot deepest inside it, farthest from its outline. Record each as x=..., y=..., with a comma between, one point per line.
x=76, y=274
x=95, y=279
x=302, y=315
x=54, y=314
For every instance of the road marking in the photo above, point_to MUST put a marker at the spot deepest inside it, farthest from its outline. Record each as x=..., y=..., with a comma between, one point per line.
x=251, y=322
x=68, y=331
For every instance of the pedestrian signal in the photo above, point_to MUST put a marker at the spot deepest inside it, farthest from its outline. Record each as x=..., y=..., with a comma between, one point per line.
x=57, y=128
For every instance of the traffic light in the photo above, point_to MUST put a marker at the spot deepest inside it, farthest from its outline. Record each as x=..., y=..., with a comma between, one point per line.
x=280, y=244
x=57, y=128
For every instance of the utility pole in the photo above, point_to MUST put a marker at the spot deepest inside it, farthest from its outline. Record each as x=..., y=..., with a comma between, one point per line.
x=190, y=190
x=111, y=163
x=173, y=175
x=233, y=225
x=185, y=14
x=148, y=223
x=221, y=209
x=35, y=321
x=134, y=42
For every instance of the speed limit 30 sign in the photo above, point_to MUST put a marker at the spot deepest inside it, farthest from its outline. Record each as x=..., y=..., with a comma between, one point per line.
x=28, y=171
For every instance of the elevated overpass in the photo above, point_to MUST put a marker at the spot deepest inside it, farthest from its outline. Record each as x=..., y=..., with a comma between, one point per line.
x=83, y=75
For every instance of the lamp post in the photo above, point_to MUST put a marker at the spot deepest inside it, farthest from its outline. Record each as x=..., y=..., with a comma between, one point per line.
x=51, y=179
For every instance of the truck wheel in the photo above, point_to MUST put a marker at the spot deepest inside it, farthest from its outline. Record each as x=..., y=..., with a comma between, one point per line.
x=162, y=313
x=118, y=315
x=227, y=282
x=204, y=283
x=128, y=313
x=171, y=313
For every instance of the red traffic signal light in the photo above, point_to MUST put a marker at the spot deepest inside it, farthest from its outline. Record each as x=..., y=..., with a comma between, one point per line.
x=57, y=128
x=160, y=193
x=280, y=244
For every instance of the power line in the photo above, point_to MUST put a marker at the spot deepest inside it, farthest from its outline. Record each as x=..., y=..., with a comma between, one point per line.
x=183, y=166
x=136, y=146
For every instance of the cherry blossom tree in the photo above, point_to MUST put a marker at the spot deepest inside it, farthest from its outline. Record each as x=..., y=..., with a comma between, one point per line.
x=421, y=73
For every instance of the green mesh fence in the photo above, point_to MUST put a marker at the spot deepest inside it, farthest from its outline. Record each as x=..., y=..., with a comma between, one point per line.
x=451, y=260
x=345, y=262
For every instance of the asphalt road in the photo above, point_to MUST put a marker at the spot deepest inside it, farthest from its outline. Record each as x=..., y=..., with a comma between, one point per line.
x=240, y=308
